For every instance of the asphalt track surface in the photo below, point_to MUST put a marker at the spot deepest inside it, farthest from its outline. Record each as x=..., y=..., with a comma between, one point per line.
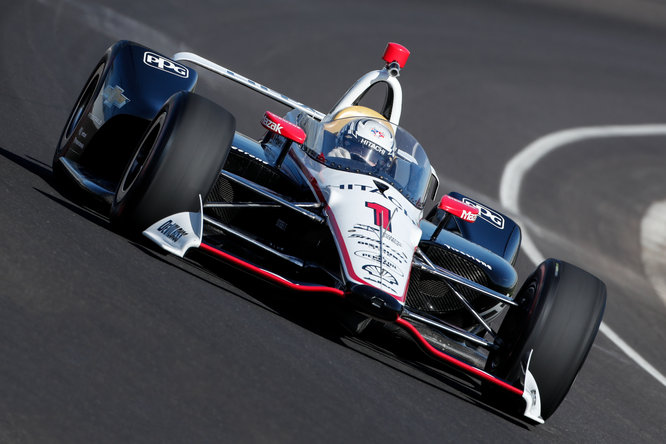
x=103, y=340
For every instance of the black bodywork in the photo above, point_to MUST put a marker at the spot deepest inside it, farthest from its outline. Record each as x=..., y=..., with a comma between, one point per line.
x=97, y=142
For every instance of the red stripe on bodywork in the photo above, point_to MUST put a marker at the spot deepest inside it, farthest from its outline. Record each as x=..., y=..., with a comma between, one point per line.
x=457, y=363
x=340, y=240
x=343, y=247
x=337, y=292
x=270, y=276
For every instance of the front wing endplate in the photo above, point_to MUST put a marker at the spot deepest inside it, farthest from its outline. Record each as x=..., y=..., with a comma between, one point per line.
x=179, y=232
x=531, y=395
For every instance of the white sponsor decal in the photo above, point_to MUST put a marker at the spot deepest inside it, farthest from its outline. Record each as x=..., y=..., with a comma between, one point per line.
x=374, y=146
x=95, y=120
x=171, y=230
x=162, y=63
x=371, y=234
x=486, y=213
x=377, y=274
x=245, y=153
x=179, y=232
x=477, y=260
x=375, y=257
x=468, y=216
x=272, y=126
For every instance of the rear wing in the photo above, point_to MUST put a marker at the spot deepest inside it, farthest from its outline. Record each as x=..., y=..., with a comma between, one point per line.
x=229, y=74
x=395, y=57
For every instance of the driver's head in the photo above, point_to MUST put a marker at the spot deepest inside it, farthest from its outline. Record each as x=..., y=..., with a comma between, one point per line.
x=367, y=139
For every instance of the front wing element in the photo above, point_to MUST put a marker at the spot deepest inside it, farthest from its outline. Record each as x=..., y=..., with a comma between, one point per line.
x=182, y=231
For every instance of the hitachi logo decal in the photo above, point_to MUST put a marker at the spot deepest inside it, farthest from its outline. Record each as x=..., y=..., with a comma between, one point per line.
x=373, y=146
x=172, y=230
x=272, y=126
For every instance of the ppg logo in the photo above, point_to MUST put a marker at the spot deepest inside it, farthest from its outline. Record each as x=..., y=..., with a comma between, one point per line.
x=486, y=213
x=164, y=64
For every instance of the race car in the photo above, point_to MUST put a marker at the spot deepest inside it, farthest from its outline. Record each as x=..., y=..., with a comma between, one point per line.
x=334, y=204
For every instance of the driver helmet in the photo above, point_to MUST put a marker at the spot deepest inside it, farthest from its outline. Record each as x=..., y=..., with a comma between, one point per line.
x=368, y=140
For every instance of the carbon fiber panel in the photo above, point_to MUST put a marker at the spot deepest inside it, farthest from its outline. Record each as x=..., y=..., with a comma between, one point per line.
x=431, y=294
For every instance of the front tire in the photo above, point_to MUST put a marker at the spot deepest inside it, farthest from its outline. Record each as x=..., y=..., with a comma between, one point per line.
x=561, y=307
x=77, y=116
x=178, y=159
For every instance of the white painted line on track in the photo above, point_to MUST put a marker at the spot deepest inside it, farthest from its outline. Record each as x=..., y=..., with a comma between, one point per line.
x=516, y=168
x=653, y=246
x=519, y=165
x=631, y=353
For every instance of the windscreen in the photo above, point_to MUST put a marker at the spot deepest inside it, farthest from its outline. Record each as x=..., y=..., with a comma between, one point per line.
x=374, y=147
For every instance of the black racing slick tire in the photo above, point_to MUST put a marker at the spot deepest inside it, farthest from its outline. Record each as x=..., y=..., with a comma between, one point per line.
x=81, y=108
x=178, y=158
x=561, y=307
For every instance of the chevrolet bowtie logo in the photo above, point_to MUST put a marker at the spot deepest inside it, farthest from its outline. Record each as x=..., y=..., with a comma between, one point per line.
x=113, y=96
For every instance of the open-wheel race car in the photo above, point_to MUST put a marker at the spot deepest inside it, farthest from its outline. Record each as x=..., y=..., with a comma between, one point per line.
x=334, y=204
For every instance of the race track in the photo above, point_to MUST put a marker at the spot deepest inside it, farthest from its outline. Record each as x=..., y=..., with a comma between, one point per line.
x=104, y=340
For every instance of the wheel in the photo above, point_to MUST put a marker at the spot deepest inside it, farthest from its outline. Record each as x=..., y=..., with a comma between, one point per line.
x=80, y=109
x=178, y=158
x=560, y=310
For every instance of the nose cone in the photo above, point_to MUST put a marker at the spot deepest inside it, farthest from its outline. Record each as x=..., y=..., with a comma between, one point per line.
x=376, y=233
x=373, y=302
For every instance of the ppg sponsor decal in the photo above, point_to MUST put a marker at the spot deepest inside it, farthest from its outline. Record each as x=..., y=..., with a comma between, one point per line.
x=162, y=63
x=486, y=213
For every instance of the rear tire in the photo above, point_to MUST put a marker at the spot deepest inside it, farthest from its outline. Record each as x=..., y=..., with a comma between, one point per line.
x=178, y=159
x=561, y=307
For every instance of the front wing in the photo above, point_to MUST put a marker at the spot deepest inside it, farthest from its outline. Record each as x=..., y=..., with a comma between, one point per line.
x=180, y=232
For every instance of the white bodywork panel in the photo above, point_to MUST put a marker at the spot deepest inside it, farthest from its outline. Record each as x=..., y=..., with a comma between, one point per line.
x=531, y=395
x=179, y=232
x=376, y=232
